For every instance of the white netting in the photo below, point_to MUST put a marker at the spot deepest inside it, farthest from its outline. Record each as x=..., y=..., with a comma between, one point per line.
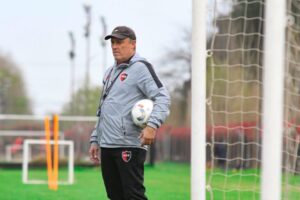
x=291, y=150
x=234, y=101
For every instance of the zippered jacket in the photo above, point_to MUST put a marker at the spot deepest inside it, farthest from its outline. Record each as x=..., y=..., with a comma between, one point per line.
x=115, y=127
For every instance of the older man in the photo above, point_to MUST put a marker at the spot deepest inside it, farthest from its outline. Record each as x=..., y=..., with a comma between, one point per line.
x=123, y=144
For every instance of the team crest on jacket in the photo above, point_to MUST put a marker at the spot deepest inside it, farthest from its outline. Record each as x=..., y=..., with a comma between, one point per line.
x=126, y=156
x=123, y=76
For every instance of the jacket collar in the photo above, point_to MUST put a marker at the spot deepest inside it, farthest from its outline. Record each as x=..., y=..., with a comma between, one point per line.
x=131, y=60
x=124, y=64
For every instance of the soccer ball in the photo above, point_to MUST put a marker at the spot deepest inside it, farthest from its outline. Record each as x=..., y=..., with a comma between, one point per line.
x=141, y=112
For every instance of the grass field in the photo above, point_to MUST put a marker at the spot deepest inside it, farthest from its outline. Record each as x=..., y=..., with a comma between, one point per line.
x=166, y=181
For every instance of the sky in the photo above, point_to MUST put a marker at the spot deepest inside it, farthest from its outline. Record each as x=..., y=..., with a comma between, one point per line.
x=34, y=34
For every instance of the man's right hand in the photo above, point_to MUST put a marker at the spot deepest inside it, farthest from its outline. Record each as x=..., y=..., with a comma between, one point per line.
x=94, y=153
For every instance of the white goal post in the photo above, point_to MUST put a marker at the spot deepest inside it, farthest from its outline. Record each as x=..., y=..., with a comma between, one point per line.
x=273, y=91
x=198, y=137
x=26, y=147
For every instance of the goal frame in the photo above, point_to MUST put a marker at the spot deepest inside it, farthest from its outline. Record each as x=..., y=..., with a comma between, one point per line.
x=273, y=95
x=25, y=164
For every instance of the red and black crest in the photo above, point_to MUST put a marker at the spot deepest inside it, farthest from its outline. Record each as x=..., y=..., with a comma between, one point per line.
x=126, y=156
x=123, y=76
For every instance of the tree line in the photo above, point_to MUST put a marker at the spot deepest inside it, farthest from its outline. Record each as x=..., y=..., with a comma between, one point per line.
x=14, y=98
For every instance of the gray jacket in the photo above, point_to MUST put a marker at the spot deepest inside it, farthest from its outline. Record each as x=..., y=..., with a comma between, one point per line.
x=137, y=81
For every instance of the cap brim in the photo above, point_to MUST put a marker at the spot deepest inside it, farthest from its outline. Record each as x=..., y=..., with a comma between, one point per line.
x=121, y=37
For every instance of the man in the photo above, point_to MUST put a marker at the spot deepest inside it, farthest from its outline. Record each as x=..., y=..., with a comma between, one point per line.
x=123, y=144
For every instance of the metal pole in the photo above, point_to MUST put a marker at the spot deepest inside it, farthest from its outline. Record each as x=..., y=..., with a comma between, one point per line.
x=87, y=9
x=273, y=90
x=103, y=43
x=72, y=60
x=198, y=155
x=87, y=75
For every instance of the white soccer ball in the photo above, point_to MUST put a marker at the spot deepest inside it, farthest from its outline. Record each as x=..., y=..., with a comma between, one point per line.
x=141, y=112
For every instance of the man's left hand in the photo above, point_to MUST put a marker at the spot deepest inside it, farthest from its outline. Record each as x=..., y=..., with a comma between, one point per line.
x=148, y=135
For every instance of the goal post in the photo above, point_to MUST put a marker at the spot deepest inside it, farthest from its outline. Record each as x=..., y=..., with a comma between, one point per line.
x=198, y=138
x=273, y=90
x=25, y=168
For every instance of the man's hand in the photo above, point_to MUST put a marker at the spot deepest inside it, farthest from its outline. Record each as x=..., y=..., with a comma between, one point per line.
x=148, y=135
x=94, y=153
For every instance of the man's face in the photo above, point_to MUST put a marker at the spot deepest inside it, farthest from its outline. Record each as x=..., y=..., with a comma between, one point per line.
x=122, y=49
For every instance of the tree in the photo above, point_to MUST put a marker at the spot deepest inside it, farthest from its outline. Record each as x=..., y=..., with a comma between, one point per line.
x=13, y=96
x=80, y=105
x=176, y=70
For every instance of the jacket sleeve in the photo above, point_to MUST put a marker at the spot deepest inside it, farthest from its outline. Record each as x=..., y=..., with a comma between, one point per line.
x=94, y=135
x=152, y=88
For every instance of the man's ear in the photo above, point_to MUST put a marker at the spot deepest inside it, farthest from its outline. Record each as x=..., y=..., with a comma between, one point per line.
x=134, y=43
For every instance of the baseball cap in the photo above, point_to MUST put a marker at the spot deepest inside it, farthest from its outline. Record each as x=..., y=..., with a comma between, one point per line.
x=121, y=32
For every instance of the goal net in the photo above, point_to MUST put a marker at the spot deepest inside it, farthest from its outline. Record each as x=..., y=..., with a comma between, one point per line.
x=234, y=100
x=22, y=141
x=291, y=147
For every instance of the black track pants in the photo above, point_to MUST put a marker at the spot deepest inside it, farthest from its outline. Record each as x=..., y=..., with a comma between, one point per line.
x=123, y=173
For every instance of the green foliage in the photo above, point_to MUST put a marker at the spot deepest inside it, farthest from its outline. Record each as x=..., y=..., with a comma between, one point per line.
x=85, y=102
x=13, y=96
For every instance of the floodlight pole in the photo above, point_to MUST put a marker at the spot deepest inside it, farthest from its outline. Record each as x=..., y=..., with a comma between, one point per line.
x=198, y=139
x=273, y=90
x=103, y=43
x=72, y=61
x=87, y=9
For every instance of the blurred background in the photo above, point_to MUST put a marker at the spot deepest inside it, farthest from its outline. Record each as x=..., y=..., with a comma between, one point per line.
x=52, y=60
x=53, y=56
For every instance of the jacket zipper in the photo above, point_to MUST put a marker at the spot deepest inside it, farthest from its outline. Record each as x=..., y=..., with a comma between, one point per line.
x=123, y=127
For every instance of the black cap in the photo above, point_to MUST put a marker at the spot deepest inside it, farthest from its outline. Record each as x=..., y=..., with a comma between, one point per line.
x=121, y=32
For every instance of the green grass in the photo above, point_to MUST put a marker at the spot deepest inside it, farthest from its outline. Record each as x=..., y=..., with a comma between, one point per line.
x=166, y=181
x=245, y=184
x=233, y=184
